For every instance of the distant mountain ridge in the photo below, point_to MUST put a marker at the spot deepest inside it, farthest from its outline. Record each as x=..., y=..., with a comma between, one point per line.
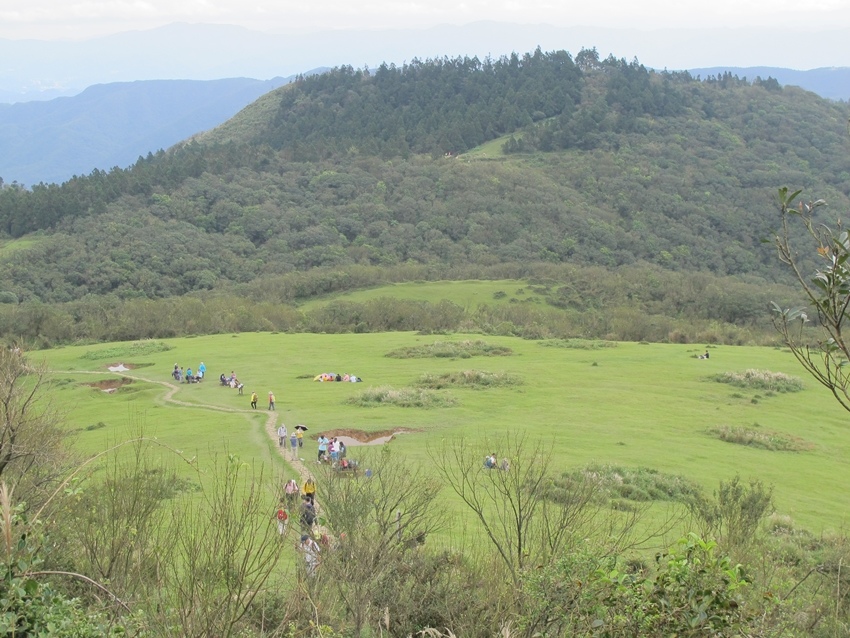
x=832, y=83
x=110, y=125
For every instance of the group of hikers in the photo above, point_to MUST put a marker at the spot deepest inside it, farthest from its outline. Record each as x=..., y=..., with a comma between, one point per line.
x=307, y=518
x=295, y=438
x=233, y=382
x=330, y=450
x=188, y=376
x=230, y=381
x=491, y=463
x=335, y=376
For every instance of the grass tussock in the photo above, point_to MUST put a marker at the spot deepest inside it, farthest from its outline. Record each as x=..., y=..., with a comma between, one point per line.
x=761, y=380
x=641, y=484
x=474, y=379
x=127, y=351
x=578, y=344
x=402, y=397
x=762, y=439
x=451, y=350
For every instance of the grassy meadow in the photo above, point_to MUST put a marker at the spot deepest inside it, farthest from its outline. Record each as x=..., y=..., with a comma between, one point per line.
x=466, y=294
x=627, y=404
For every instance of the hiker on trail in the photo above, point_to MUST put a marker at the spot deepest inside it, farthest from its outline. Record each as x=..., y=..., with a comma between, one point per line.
x=308, y=515
x=281, y=436
x=254, y=398
x=290, y=492
x=299, y=434
x=323, y=447
x=282, y=520
x=293, y=442
x=311, y=553
x=202, y=370
x=271, y=401
x=310, y=490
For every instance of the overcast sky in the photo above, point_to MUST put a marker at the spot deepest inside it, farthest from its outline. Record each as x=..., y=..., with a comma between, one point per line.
x=81, y=19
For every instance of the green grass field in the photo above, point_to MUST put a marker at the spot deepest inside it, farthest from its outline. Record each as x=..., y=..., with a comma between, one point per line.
x=466, y=294
x=634, y=405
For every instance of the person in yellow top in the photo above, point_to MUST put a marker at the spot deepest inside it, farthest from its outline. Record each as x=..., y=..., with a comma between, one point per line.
x=254, y=398
x=310, y=489
x=271, y=401
x=299, y=435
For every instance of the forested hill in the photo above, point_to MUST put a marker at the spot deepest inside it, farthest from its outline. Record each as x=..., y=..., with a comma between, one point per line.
x=535, y=158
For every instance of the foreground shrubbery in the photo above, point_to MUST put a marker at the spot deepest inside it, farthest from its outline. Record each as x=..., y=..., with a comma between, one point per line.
x=580, y=570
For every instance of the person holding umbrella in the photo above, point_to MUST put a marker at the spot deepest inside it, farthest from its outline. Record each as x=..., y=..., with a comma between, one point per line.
x=299, y=434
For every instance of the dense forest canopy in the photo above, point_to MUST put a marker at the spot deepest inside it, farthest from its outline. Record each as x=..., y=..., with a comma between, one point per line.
x=539, y=158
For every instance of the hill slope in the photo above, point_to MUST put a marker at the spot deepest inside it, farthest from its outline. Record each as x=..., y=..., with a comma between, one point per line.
x=600, y=163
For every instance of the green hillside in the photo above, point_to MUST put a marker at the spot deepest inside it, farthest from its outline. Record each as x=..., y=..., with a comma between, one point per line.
x=438, y=170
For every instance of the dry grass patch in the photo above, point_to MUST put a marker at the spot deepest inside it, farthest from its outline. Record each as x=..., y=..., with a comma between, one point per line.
x=475, y=379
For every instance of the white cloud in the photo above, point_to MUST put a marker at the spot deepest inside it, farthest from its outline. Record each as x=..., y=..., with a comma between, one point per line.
x=50, y=19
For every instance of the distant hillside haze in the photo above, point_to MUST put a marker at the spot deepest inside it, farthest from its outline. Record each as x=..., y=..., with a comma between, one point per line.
x=830, y=82
x=111, y=125
x=211, y=52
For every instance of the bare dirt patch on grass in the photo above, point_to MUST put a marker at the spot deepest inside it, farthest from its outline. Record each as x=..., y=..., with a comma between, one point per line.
x=110, y=385
x=359, y=437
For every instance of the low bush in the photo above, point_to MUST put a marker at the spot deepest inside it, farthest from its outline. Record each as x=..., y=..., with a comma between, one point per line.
x=578, y=344
x=761, y=380
x=475, y=379
x=764, y=439
x=451, y=350
x=401, y=397
x=640, y=484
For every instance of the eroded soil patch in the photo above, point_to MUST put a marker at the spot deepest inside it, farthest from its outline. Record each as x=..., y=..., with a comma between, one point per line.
x=359, y=437
x=110, y=385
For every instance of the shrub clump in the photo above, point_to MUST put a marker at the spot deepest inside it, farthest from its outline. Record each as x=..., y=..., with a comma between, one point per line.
x=475, y=379
x=761, y=380
x=578, y=344
x=127, y=351
x=401, y=397
x=451, y=350
x=763, y=439
x=641, y=484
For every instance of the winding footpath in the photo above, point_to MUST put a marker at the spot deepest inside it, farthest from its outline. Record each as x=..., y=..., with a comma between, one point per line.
x=171, y=389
